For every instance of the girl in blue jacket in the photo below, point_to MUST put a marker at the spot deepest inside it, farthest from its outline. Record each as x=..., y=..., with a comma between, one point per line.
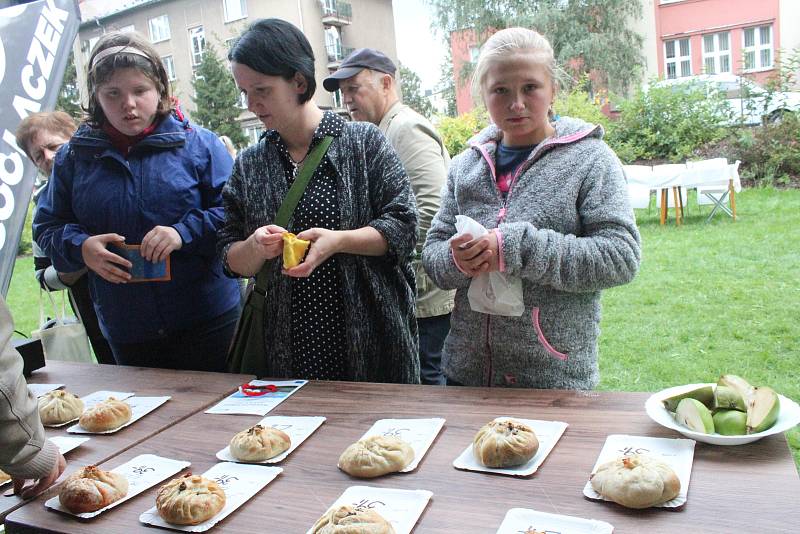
x=137, y=172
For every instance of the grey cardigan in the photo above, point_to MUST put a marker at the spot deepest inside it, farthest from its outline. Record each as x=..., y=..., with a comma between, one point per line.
x=378, y=291
x=566, y=229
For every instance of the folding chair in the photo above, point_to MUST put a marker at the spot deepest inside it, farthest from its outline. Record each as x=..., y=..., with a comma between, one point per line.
x=721, y=193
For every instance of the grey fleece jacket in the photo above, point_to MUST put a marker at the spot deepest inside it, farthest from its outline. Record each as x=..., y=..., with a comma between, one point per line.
x=24, y=450
x=566, y=229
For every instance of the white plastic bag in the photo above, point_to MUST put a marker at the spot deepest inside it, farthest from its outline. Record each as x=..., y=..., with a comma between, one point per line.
x=494, y=293
x=63, y=337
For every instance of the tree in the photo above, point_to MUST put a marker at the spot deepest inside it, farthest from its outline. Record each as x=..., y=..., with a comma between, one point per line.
x=448, y=85
x=217, y=98
x=588, y=36
x=69, y=98
x=412, y=92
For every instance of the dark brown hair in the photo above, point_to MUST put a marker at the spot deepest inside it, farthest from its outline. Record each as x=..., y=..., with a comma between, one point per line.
x=100, y=73
x=56, y=122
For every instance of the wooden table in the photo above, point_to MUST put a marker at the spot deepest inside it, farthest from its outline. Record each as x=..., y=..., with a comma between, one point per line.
x=190, y=391
x=753, y=487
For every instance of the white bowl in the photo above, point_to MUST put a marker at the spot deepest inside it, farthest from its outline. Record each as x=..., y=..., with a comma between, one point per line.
x=788, y=417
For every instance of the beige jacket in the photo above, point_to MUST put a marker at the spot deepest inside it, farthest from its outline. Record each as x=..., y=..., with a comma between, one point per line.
x=24, y=450
x=426, y=160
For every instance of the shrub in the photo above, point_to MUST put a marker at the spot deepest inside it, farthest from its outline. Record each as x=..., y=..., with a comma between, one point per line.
x=456, y=131
x=25, y=238
x=770, y=154
x=667, y=123
x=578, y=104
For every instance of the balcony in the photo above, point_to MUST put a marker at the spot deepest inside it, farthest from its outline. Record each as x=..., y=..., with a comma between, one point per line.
x=336, y=13
x=336, y=53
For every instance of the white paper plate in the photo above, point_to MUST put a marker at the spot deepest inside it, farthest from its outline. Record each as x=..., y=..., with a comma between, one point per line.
x=789, y=417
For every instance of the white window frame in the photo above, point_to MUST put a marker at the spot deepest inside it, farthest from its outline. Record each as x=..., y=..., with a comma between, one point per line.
x=758, y=48
x=194, y=34
x=679, y=59
x=717, y=56
x=169, y=66
x=242, y=11
x=159, y=28
x=333, y=41
x=253, y=133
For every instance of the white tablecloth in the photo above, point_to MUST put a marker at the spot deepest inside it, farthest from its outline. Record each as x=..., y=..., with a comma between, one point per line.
x=667, y=176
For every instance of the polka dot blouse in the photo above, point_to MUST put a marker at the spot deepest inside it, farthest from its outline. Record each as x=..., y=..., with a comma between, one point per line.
x=317, y=309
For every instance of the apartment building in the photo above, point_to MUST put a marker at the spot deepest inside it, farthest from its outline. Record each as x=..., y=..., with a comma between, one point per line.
x=689, y=37
x=181, y=29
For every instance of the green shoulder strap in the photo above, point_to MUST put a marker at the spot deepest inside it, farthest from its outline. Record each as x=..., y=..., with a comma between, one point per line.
x=293, y=197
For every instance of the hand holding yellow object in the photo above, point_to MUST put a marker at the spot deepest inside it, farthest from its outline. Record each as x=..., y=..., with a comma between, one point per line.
x=293, y=250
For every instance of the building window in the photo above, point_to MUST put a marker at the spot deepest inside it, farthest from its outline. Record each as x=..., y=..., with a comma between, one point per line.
x=717, y=53
x=338, y=100
x=159, y=28
x=757, y=48
x=678, y=58
x=333, y=43
x=234, y=9
x=197, y=41
x=242, y=100
x=253, y=133
x=88, y=45
x=230, y=42
x=169, y=66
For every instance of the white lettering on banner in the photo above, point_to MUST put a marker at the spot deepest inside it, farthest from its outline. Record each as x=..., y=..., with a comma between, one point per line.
x=41, y=57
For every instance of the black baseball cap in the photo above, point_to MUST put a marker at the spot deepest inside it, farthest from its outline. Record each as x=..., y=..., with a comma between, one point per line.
x=363, y=58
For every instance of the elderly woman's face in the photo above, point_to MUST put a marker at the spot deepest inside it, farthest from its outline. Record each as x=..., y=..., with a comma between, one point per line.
x=43, y=148
x=272, y=99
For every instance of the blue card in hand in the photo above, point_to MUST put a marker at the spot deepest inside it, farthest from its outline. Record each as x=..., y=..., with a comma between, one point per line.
x=142, y=270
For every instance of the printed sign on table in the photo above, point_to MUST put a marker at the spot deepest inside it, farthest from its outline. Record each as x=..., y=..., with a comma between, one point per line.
x=257, y=397
x=523, y=521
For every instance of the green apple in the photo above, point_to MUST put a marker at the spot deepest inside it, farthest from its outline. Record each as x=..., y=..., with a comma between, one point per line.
x=730, y=422
x=693, y=414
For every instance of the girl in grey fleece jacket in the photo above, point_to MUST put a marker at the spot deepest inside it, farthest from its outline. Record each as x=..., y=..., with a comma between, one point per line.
x=565, y=228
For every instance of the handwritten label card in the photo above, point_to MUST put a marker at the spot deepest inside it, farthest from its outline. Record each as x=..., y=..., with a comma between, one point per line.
x=521, y=520
x=547, y=432
x=401, y=508
x=419, y=433
x=140, y=406
x=239, y=482
x=142, y=472
x=677, y=453
x=242, y=403
x=67, y=443
x=297, y=428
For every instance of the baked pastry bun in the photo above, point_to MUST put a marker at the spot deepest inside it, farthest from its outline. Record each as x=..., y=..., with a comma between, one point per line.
x=91, y=489
x=505, y=443
x=294, y=250
x=259, y=443
x=4, y=477
x=59, y=407
x=189, y=500
x=375, y=456
x=351, y=520
x=106, y=415
x=636, y=481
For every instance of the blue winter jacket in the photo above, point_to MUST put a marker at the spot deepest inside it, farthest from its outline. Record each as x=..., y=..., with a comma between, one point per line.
x=173, y=177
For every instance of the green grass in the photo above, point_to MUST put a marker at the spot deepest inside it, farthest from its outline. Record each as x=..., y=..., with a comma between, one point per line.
x=710, y=298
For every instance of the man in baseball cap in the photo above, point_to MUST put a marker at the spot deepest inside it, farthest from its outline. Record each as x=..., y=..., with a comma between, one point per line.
x=370, y=92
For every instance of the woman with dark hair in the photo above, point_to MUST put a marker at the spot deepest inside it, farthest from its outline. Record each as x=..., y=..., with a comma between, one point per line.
x=347, y=311
x=137, y=172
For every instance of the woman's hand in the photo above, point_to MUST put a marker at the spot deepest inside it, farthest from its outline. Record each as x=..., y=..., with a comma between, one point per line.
x=475, y=256
x=104, y=262
x=159, y=242
x=324, y=244
x=267, y=242
x=43, y=483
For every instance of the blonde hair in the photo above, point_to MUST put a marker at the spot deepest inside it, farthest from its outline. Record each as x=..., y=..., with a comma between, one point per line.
x=509, y=41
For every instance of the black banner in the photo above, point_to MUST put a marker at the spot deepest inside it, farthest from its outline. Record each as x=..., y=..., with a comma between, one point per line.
x=35, y=42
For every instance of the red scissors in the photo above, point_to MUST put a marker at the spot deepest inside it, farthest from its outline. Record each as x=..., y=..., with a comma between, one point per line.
x=252, y=390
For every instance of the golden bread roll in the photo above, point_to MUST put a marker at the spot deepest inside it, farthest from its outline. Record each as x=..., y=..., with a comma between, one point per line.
x=106, y=415
x=375, y=456
x=505, y=443
x=189, y=500
x=636, y=481
x=349, y=520
x=59, y=407
x=91, y=489
x=293, y=250
x=259, y=443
